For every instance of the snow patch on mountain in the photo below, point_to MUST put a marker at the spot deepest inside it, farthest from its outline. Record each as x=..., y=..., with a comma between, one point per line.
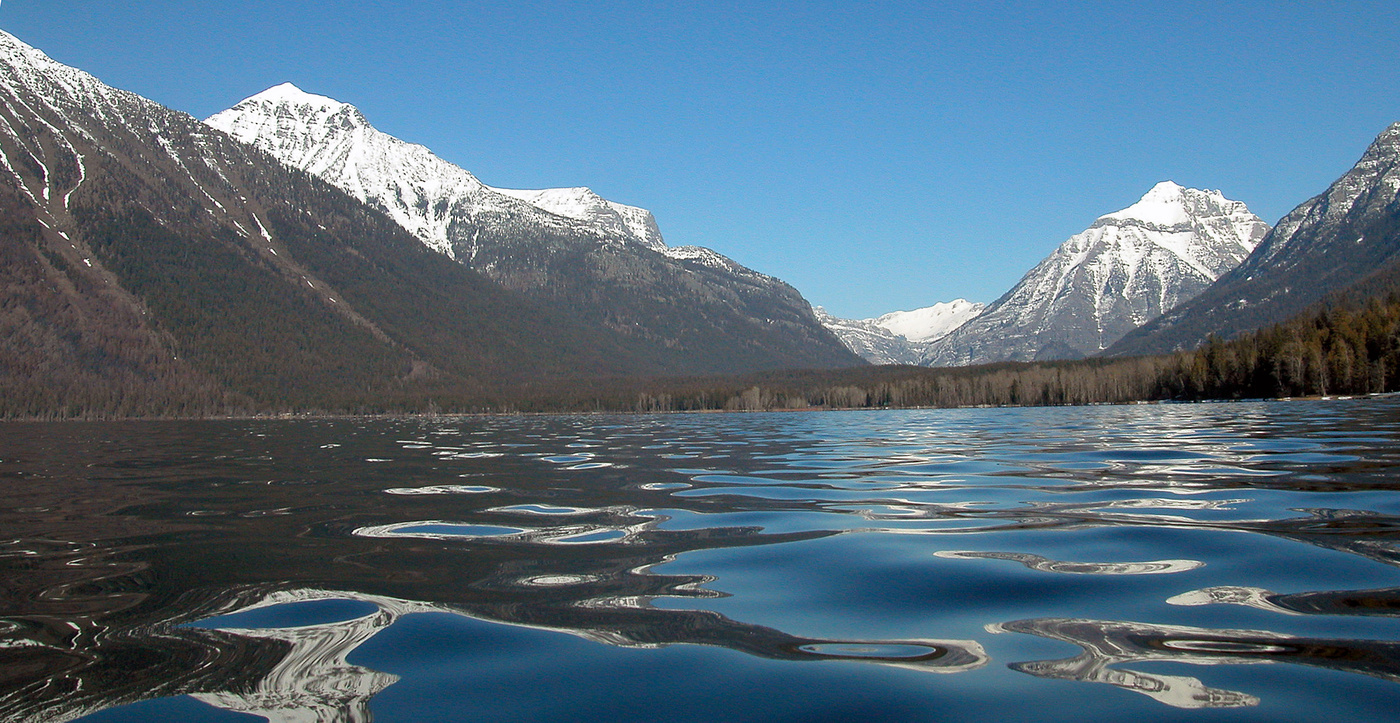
x=930, y=323
x=582, y=204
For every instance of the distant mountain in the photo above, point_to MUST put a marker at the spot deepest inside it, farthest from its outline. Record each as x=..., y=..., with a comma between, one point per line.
x=1333, y=241
x=566, y=247
x=1120, y=273
x=900, y=337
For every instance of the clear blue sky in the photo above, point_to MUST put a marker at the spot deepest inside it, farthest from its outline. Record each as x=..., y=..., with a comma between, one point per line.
x=878, y=156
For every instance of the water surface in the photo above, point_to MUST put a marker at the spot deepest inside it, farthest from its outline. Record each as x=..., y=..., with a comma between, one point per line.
x=1193, y=562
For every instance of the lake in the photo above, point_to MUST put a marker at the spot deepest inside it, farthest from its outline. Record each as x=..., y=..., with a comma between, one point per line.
x=1233, y=562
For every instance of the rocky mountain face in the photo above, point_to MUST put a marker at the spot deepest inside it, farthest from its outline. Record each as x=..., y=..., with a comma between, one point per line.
x=565, y=247
x=1120, y=273
x=900, y=337
x=1330, y=243
x=153, y=265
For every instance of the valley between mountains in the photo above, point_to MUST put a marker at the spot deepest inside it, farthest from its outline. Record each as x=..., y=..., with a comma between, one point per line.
x=285, y=256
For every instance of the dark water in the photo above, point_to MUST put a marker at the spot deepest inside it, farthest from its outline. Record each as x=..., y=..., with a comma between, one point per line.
x=1205, y=562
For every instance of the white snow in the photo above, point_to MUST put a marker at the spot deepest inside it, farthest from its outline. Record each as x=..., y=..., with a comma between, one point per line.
x=930, y=322
x=582, y=204
x=262, y=229
x=425, y=194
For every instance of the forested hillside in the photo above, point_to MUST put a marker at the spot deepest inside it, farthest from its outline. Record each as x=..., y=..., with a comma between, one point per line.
x=1346, y=345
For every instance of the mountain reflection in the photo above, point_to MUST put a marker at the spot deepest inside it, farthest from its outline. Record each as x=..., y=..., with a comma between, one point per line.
x=1382, y=602
x=314, y=682
x=1110, y=643
x=102, y=586
x=1044, y=564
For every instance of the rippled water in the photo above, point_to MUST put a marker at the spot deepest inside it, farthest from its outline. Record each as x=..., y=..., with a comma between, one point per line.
x=1197, y=562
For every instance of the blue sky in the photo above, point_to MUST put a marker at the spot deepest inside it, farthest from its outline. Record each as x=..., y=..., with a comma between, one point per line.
x=877, y=156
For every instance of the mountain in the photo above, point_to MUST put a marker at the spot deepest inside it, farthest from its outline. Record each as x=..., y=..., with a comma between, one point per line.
x=152, y=265
x=1334, y=241
x=900, y=337
x=1121, y=272
x=931, y=323
x=568, y=247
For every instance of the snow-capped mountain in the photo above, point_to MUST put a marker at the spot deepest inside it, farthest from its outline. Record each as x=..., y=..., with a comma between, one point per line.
x=569, y=247
x=930, y=323
x=900, y=337
x=1334, y=240
x=1123, y=271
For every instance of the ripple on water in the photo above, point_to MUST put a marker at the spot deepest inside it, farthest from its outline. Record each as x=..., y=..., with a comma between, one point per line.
x=542, y=509
x=568, y=458
x=442, y=490
x=291, y=615
x=589, y=538
x=872, y=651
x=439, y=530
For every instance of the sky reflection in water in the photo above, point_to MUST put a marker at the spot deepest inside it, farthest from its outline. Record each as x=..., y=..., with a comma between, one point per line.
x=424, y=569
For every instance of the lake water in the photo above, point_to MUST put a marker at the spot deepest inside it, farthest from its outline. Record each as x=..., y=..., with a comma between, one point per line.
x=1233, y=562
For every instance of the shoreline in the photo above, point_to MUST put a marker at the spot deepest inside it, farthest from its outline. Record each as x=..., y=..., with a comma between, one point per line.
x=332, y=416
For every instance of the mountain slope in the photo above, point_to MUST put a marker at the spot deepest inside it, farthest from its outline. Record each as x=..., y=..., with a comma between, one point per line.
x=1328, y=243
x=155, y=266
x=1124, y=270
x=699, y=311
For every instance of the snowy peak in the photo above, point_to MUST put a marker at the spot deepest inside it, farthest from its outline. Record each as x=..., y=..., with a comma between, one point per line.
x=1126, y=269
x=333, y=140
x=1165, y=205
x=60, y=86
x=1171, y=206
x=289, y=94
x=1362, y=194
x=424, y=193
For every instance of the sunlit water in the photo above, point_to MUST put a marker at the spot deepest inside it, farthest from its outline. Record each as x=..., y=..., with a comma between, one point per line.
x=1196, y=562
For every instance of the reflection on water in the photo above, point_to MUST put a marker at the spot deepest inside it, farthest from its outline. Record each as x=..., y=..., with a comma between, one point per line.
x=1107, y=643
x=1036, y=562
x=275, y=568
x=1346, y=602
